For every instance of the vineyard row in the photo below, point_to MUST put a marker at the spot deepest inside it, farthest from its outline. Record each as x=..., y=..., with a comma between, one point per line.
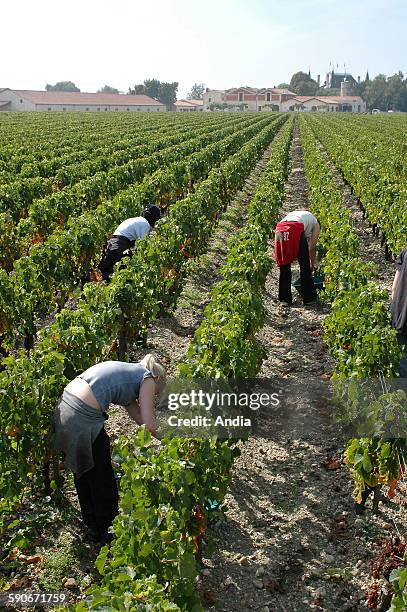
x=122, y=309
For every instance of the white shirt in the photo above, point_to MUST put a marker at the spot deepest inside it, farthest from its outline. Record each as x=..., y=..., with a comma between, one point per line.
x=135, y=228
x=305, y=217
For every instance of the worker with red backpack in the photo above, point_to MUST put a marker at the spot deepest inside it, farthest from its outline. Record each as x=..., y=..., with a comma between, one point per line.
x=296, y=237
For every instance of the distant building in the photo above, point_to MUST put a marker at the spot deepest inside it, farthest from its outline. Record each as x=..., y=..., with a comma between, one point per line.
x=266, y=99
x=186, y=106
x=327, y=104
x=246, y=98
x=27, y=100
x=213, y=96
x=334, y=79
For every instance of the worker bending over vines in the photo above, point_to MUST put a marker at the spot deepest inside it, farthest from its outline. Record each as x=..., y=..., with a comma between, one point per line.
x=125, y=236
x=296, y=237
x=81, y=436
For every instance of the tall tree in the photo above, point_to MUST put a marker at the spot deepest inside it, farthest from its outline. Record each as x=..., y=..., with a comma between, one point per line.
x=397, y=92
x=283, y=86
x=153, y=88
x=197, y=91
x=166, y=93
x=108, y=89
x=359, y=89
x=138, y=89
x=302, y=84
x=62, y=86
x=376, y=93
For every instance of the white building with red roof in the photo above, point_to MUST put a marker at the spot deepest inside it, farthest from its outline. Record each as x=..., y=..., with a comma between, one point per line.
x=28, y=100
x=274, y=98
x=187, y=106
x=333, y=104
x=246, y=98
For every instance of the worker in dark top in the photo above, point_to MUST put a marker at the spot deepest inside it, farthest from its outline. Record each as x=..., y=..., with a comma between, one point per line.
x=80, y=434
x=124, y=237
x=296, y=237
x=399, y=306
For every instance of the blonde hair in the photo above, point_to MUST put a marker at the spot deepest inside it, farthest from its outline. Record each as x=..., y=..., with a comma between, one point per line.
x=156, y=369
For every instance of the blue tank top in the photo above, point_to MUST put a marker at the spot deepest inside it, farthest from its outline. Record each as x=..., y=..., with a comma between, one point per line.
x=115, y=382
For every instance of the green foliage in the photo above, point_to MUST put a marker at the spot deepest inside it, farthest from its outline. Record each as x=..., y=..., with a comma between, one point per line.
x=154, y=534
x=81, y=337
x=64, y=258
x=373, y=461
x=359, y=335
x=62, y=86
x=303, y=85
x=165, y=92
x=387, y=93
x=156, y=529
x=143, y=595
x=332, y=91
x=197, y=91
x=225, y=345
x=108, y=89
x=374, y=166
x=358, y=331
x=164, y=494
x=56, y=567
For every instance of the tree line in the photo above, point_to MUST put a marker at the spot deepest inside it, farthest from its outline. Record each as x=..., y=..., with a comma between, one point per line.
x=382, y=92
x=385, y=93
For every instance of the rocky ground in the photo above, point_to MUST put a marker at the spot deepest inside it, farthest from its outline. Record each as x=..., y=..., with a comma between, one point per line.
x=290, y=539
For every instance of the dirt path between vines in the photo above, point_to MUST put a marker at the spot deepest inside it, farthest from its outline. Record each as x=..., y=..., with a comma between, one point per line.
x=290, y=522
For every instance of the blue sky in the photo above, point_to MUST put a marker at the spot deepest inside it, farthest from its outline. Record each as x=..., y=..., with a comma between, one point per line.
x=223, y=43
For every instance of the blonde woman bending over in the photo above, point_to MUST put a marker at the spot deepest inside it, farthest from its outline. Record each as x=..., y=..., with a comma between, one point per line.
x=81, y=436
